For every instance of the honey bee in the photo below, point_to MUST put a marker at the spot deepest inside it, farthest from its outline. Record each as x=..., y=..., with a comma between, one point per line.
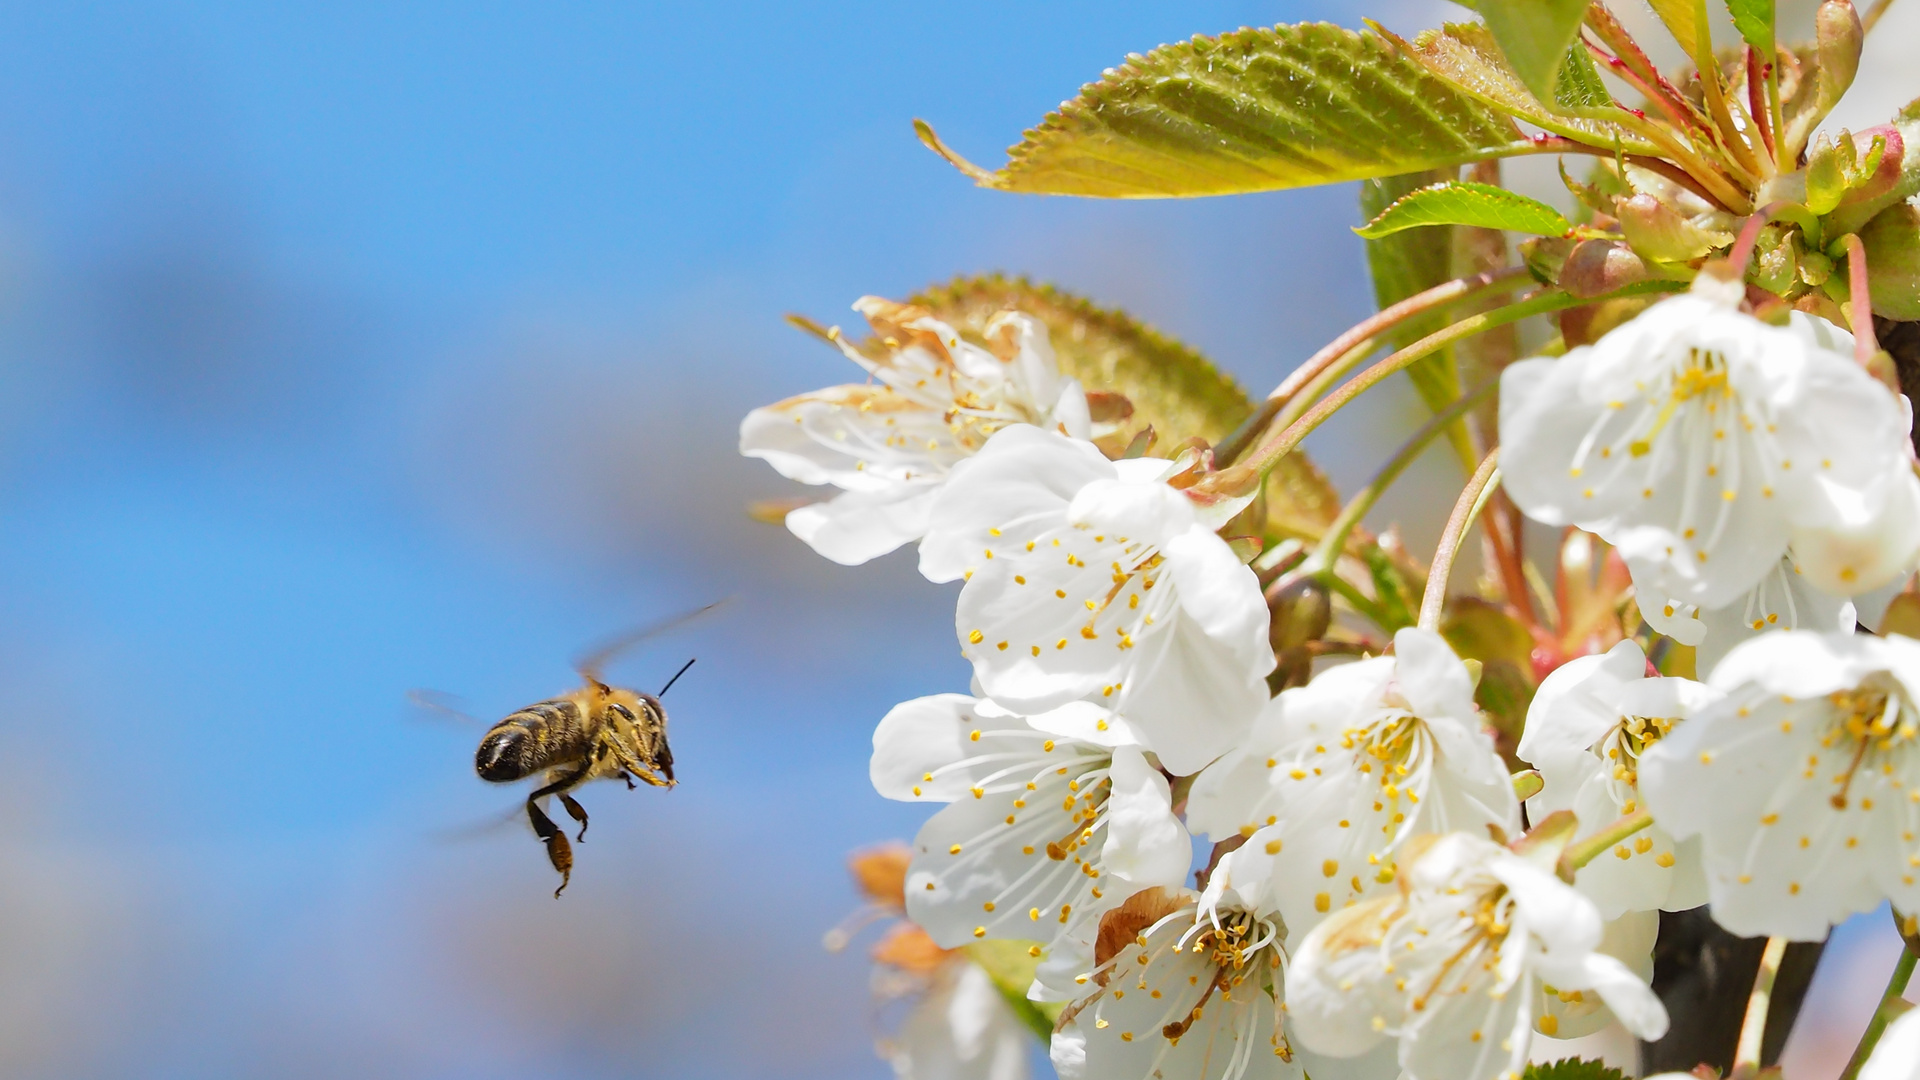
x=597, y=732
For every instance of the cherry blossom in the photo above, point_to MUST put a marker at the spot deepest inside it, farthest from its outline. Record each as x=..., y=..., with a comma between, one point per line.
x=1089, y=579
x=1783, y=599
x=1701, y=441
x=1454, y=963
x=1802, y=782
x=1588, y=725
x=956, y=1026
x=933, y=400
x=1051, y=819
x=1338, y=774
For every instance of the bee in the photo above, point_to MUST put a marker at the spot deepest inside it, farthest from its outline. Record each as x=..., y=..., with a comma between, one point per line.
x=597, y=732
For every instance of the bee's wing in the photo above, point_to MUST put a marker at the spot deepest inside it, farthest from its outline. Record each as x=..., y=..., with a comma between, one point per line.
x=474, y=830
x=440, y=706
x=591, y=664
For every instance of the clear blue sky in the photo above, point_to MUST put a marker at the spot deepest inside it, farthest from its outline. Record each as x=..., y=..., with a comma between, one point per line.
x=351, y=348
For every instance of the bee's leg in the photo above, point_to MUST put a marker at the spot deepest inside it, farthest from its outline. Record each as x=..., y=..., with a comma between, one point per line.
x=576, y=812
x=559, y=852
x=640, y=769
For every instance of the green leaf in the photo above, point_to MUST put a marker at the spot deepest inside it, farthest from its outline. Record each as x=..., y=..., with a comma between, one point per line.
x=1172, y=388
x=1535, y=36
x=1466, y=55
x=1011, y=964
x=1687, y=21
x=1251, y=110
x=1573, y=1069
x=1458, y=202
x=1580, y=86
x=1754, y=20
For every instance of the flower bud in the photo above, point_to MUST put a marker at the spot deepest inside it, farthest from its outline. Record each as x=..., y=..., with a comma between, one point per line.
x=1838, y=36
x=1892, y=241
x=1301, y=612
x=1657, y=231
x=1596, y=267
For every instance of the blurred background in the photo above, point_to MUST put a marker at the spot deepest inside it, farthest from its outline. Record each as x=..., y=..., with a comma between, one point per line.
x=352, y=348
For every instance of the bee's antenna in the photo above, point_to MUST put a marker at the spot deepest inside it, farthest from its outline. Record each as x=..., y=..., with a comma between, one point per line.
x=676, y=678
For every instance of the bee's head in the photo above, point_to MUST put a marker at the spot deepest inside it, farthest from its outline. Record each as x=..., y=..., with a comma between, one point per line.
x=502, y=755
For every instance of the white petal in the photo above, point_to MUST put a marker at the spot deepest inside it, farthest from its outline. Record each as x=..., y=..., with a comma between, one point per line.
x=1151, y=512
x=1146, y=844
x=1068, y=1050
x=1231, y=792
x=1632, y=1001
x=1574, y=708
x=1562, y=919
x=930, y=734
x=1021, y=475
x=1784, y=599
x=856, y=526
x=1431, y=677
x=974, y=876
x=862, y=437
x=1339, y=990
x=1859, y=557
x=962, y=1030
x=1087, y=722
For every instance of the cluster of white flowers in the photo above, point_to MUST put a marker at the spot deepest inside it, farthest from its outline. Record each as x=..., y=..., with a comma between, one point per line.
x=1374, y=904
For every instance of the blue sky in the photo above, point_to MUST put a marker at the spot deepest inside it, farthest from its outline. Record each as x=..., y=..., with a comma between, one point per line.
x=346, y=349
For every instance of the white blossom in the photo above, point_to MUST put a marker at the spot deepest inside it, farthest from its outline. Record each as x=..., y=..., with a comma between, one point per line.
x=1701, y=442
x=1783, y=599
x=1100, y=580
x=1051, y=820
x=1803, y=781
x=1589, y=722
x=889, y=444
x=956, y=1026
x=1453, y=964
x=960, y=1028
x=1897, y=1055
x=1187, y=988
x=1338, y=774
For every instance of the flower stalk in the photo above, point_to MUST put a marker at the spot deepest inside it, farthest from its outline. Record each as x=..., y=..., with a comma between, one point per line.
x=1243, y=477
x=1472, y=498
x=1334, y=540
x=1746, y=1055
x=1360, y=334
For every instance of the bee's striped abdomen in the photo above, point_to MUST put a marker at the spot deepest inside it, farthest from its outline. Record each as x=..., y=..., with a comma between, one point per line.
x=535, y=738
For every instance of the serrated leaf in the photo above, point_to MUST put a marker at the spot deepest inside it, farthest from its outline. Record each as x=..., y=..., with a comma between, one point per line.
x=1573, y=1069
x=1580, y=86
x=1462, y=202
x=1754, y=20
x=1534, y=35
x=1251, y=110
x=1010, y=965
x=1173, y=389
x=1466, y=55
